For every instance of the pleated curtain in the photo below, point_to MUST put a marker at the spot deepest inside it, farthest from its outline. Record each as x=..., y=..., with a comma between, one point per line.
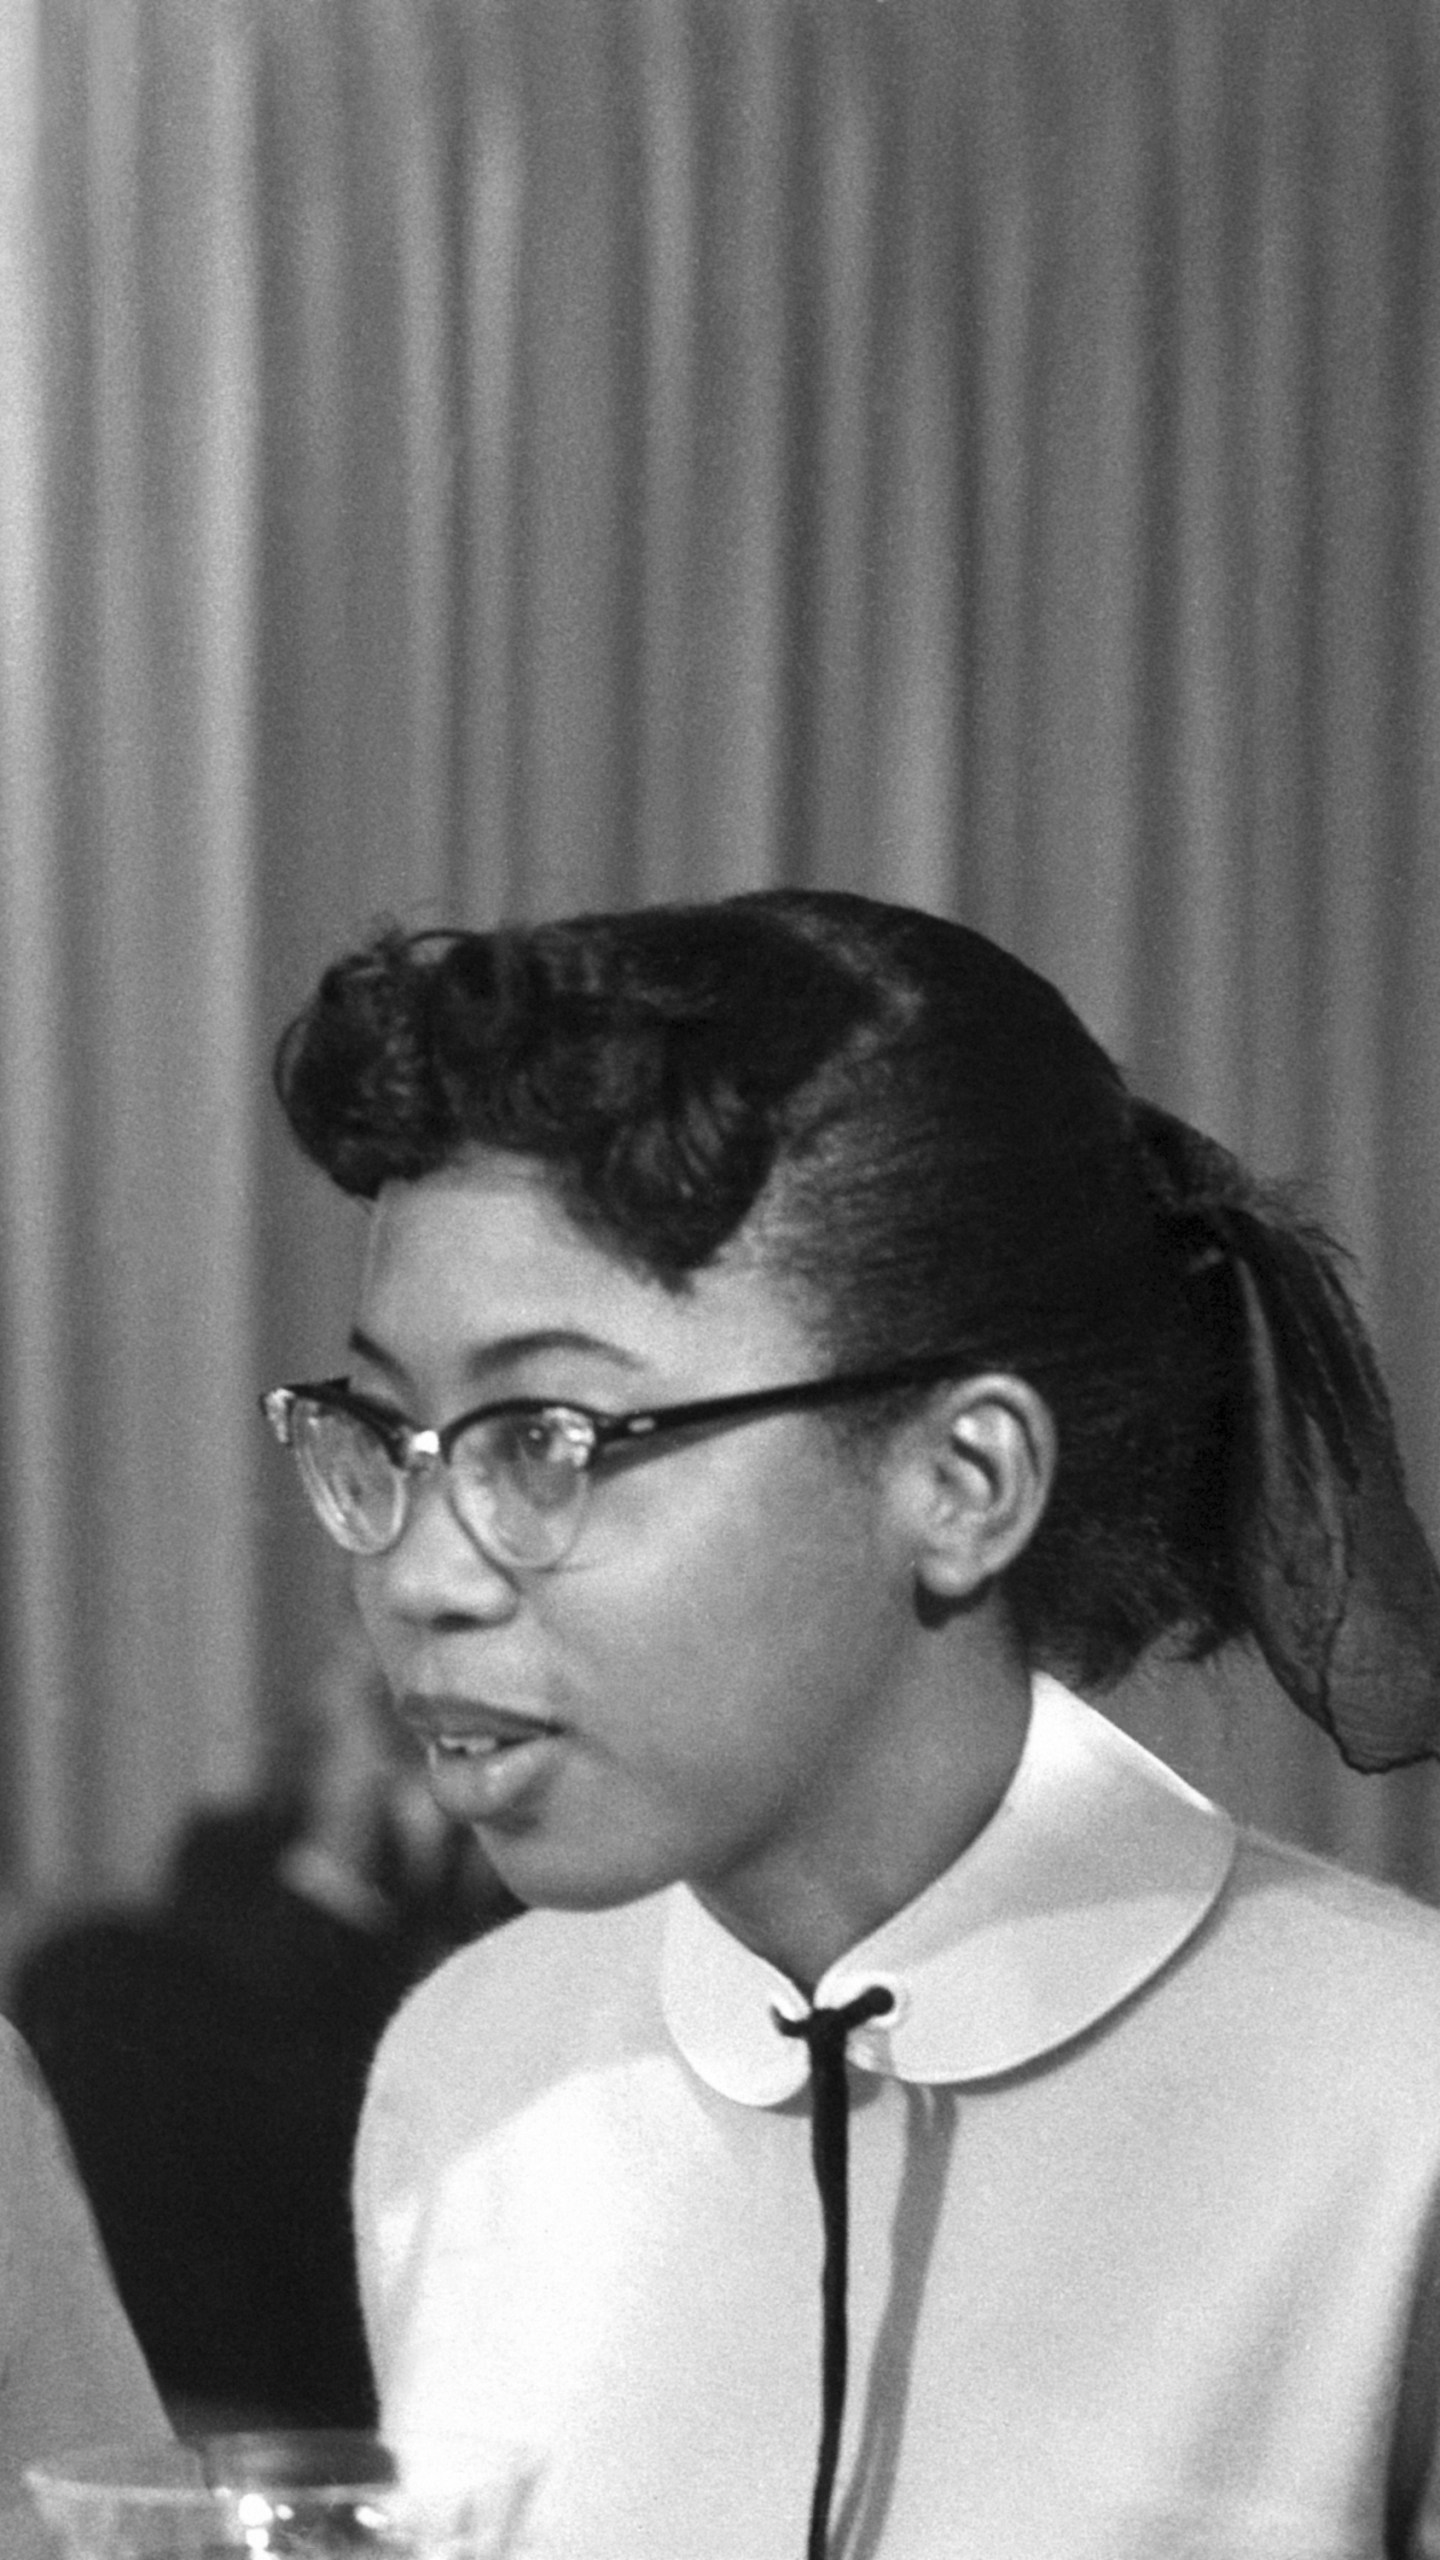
x=462, y=461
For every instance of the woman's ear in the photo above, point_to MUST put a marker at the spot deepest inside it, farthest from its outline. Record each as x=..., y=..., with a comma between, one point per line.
x=983, y=1464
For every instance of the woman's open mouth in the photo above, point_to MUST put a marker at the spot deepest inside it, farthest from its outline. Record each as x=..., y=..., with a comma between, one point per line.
x=483, y=1761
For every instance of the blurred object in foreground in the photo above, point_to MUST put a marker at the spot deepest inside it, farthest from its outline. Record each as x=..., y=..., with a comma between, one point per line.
x=332, y=2494
x=208, y=2056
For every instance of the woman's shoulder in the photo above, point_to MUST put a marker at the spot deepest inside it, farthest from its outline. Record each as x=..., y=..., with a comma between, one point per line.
x=1308, y=1898
x=543, y=1983
x=1330, y=1962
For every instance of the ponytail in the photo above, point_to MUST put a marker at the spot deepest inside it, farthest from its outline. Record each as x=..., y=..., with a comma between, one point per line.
x=1335, y=1581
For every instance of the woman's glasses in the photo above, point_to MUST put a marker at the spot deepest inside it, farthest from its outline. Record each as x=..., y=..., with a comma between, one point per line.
x=518, y=1472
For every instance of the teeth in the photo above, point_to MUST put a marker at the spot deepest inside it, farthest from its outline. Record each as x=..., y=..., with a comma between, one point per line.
x=466, y=1746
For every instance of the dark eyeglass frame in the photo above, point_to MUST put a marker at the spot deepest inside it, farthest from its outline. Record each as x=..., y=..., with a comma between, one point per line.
x=413, y=1448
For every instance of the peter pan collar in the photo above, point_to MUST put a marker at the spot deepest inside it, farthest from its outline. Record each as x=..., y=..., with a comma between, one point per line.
x=1096, y=1866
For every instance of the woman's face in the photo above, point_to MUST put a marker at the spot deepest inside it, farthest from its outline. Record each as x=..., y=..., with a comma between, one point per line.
x=712, y=1684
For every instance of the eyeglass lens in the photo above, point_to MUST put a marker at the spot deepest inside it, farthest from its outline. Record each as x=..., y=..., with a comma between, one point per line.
x=350, y=1478
x=517, y=1480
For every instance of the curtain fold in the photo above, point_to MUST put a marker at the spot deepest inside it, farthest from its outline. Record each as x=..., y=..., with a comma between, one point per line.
x=468, y=458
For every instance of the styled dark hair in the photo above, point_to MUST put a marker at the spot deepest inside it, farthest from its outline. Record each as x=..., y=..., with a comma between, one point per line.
x=936, y=1156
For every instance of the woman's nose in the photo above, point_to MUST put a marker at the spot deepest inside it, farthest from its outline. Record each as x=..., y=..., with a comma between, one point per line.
x=437, y=1569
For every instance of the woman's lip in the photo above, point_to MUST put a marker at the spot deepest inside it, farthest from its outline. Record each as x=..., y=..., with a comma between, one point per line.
x=456, y=1722
x=487, y=1777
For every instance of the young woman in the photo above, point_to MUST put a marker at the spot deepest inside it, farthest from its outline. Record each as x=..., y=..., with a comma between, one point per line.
x=787, y=1357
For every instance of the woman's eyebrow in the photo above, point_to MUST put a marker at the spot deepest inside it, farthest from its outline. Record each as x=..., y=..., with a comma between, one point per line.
x=360, y=1346
x=504, y=1351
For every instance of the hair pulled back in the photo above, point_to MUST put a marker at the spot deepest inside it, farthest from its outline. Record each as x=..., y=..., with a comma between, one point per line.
x=932, y=1151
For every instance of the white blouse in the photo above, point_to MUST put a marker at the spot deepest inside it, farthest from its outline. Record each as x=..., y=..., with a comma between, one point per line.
x=1144, y=2175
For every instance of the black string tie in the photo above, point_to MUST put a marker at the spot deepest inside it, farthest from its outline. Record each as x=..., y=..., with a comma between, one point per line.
x=826, y=2031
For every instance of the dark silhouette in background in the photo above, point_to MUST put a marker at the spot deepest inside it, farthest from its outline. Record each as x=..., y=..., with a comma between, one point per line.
x=208, y=2057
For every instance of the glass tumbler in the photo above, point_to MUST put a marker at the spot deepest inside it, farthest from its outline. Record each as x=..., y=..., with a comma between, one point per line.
x=286, y=2494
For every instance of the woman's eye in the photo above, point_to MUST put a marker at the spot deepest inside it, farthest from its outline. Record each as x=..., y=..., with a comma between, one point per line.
x=523, y=1439
x=550, y=1439
x=522, y=1443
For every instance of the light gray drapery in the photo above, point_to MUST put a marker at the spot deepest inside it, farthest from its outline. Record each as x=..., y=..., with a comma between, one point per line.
x=463, y=460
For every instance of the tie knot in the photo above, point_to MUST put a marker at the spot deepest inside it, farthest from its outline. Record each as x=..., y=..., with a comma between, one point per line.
x=825, y=2030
